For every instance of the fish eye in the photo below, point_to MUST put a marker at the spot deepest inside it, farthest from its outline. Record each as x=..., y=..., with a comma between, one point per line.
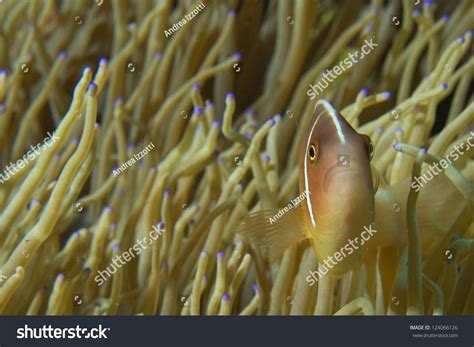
x=312, y=153
x=369, y=145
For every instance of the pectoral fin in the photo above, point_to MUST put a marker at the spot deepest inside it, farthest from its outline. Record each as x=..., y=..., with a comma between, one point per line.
x=272, y=235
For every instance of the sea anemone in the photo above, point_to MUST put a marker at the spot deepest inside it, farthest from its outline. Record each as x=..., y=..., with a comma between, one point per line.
x=164, y=124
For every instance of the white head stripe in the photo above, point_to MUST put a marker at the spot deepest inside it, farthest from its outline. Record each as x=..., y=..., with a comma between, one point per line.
x=332, y=113
x=306, y=180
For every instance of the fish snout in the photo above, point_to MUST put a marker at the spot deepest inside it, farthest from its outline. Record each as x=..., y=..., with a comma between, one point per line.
x=339, y=180
x=349, y=197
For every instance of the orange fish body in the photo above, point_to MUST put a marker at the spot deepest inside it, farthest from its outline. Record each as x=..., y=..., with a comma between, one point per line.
x=336, y=183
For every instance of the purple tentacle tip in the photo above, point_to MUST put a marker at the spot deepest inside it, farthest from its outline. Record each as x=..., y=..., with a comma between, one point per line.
x=158, y=54
x=231, y=12
x=166, y=191
x=63, y=54
x=461, y=38
x=161, y=225
x=379, y=129
x=61, y=276
x=400, y=130
x=267, y=157
x=416, y=12
x=250, y=111
x=197, y=86
x=396, y=146
x=255, y=287
x=445, y=17
x=428, y=2
x=425, y=150
x=116, y=246
x=103, y=60
x=3, y=108
x=87, y=270
x=445, y=85
x=215, y=123
x=220, y=254
x=272, y=121
x=277, y=117
x=230, y=95
x=364, y=91
x=198, y=109
x=237, y=56
x=93, y=88
x=209, y=104
x=226, y=297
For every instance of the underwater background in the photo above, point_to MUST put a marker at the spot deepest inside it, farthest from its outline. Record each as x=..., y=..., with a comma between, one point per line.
x=136, y=136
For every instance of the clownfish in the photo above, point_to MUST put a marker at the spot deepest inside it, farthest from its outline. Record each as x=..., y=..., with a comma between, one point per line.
x=342, y=211
x=337, y=190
